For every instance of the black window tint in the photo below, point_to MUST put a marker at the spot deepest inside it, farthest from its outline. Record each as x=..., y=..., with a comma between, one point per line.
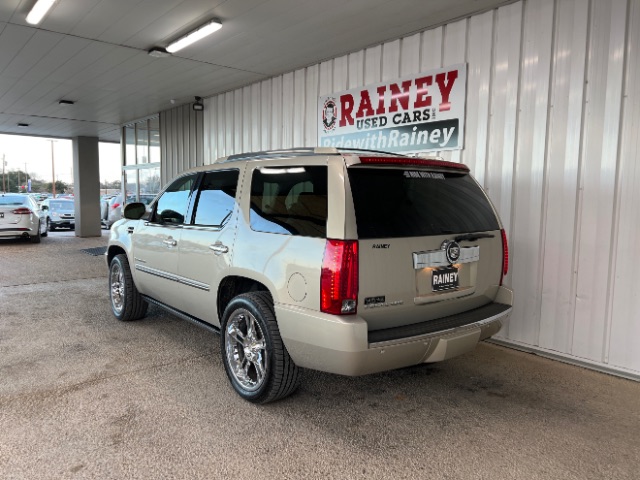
x=406, y=203
x=290, y=201
x=216, y=198
x=173, y=203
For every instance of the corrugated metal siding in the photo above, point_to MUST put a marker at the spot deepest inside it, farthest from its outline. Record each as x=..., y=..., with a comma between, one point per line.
x=182, y=140
x=552, y=121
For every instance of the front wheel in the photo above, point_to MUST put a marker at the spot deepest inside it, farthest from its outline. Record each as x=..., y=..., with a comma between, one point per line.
x=255, y=359
x=126, y=302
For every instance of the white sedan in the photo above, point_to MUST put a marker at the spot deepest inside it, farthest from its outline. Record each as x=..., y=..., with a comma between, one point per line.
x=21, y=217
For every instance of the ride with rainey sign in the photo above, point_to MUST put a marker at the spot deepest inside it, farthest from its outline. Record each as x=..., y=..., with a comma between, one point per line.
x=424, y=112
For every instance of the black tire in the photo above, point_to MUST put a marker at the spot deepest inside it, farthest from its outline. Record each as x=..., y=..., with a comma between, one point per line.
x=281, y=376
x=46, y=231
x=50, y=228
x=126, y=302
x=36, y=238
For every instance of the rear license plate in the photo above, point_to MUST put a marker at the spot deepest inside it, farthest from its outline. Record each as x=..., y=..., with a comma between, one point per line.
x=444, y=279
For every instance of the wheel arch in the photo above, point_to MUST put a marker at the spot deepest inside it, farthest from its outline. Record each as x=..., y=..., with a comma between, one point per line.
x=233, y=285
x=113, y=251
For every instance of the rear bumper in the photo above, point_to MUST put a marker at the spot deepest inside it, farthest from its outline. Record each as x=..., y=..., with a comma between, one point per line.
x=343, y=345
x=62, y=223
x=16, y=232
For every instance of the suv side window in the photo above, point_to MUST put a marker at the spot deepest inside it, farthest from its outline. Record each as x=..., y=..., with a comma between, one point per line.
x=289, y=201
x=216, y=198
x=173, y=203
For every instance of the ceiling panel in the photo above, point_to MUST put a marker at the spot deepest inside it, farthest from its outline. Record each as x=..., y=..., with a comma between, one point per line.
x=8, y=8
x=61, y=53
x=12, y=40
x=38, y=47
x=95, y=52
x=39, y=98
x=66, y=14
x=102, y=16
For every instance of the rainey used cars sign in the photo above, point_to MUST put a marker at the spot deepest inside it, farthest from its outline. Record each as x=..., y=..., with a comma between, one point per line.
x=420, y=113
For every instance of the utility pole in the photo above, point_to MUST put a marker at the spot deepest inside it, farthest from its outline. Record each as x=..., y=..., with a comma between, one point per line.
x=53, y=171
x=3, y=165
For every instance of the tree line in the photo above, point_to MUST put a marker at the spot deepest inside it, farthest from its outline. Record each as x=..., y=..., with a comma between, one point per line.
x=16, y=181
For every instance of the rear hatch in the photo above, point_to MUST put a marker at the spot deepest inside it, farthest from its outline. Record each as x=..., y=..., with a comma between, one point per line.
x=8, y=204
x=430, y=244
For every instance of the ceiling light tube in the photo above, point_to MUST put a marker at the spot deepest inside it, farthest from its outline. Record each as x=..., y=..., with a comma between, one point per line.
x=39, y=10
x=199, y=34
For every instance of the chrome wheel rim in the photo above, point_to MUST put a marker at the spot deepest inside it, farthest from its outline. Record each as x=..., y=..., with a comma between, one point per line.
x=246, y=350
x=117, y=287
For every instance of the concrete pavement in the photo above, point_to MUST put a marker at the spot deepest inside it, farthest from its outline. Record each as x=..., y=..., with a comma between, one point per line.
x=85, y=396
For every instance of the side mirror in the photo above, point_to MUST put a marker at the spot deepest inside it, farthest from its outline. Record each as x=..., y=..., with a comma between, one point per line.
x=134, y=211
x=44, y=207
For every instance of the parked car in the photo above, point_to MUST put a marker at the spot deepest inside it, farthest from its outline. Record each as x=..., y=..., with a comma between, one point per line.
x=348, y=262
x=20, y=216
x=38, y=197
x=104, y=208
x=111, y=210
x=59, y=212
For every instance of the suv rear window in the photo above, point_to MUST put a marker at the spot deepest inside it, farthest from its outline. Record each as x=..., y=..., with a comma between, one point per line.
x=414, y=203
x=289, y=200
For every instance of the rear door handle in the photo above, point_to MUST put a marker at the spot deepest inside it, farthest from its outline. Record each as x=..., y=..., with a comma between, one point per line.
x=219, y=248
x=170, y=242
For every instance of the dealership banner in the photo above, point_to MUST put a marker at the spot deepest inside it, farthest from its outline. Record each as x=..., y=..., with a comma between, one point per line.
x=419, y=113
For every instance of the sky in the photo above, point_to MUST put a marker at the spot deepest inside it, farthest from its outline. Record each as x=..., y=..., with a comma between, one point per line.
x=35, y=152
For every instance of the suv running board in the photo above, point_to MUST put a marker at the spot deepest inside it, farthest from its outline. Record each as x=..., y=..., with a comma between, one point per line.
x=182, y=315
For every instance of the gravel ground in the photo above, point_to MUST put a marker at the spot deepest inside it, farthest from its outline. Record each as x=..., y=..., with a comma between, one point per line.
x=85, y=396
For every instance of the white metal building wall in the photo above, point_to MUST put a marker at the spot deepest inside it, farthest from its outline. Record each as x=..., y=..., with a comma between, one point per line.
x=181, y=134
x=552, y=127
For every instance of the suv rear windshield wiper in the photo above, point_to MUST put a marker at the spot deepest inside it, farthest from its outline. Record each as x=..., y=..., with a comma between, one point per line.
x=473, y=236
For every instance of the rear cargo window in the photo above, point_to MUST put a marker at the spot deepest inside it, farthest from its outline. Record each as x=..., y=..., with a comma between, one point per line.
x=413, y=203
x=289, y=201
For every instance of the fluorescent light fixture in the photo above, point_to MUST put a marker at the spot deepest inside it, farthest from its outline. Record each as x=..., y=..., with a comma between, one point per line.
x=66, y=102
x=158, y=52
x=39, y=10
x=24, y=125
x=198, y=34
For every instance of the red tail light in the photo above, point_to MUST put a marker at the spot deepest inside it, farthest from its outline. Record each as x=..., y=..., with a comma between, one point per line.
x=114, y=206
x=505, y=255
x=22, y=211
x=339, y=277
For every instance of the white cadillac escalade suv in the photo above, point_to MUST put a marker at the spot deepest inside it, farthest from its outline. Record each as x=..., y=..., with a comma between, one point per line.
x=349, y=262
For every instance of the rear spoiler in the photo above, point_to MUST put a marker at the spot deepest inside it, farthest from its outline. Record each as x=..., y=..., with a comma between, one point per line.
x=414, y=162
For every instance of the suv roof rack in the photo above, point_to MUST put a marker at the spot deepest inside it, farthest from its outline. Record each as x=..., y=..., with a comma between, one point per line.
x=301, y=152
x=280, y=153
